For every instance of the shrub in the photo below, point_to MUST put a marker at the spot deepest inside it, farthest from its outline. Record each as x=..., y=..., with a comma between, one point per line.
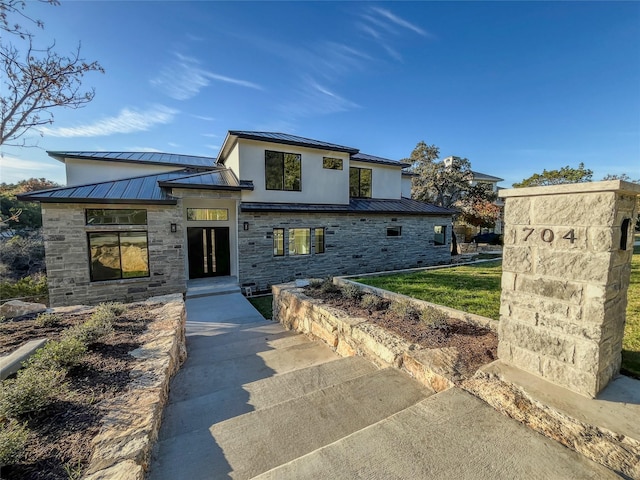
x=349, y=290
x=31, y=288
x=405, y=309
x=315, y=283
x=434, y=318
x=47, y=320
x=30, y=391
x=64, y=353
x=116, y=308
x=371, y=302
x=99, y=325
x=13, y=439
x=329, y=287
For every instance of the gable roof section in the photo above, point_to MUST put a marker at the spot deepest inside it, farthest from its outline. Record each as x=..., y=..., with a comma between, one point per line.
x=401, y=206
x=221, y=179
x=363, y=157
x=483, y=176
x=146, y=189
x=148, y=158
x=287, y=139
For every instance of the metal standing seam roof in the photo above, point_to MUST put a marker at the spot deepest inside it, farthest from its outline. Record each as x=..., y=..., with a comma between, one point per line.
x=148, y=158
x=218, y=179
x=144, y=189
x=363, y=157
x=484, y=176
x=403, y=205
x=288, y=139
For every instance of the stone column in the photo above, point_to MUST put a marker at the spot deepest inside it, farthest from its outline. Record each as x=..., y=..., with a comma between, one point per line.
x=566, y=269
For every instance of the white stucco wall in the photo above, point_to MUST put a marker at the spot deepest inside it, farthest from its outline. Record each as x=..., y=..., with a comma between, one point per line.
x=233, y=162
x=318, y=185
x=386, y=180
x=406, y=186
x=80, y=172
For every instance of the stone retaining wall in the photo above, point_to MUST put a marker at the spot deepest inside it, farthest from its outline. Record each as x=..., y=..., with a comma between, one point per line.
x=435, y=368
x=122, y=448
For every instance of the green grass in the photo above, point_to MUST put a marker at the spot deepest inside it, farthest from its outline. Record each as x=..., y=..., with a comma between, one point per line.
x=264, y=305
x=472, y=288
x=476, y=289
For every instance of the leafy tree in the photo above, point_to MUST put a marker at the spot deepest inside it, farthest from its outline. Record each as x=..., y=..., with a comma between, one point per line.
x=623, y=176
x=557, y=177
x=477, y=207
x=35, y=80
x=30, y=216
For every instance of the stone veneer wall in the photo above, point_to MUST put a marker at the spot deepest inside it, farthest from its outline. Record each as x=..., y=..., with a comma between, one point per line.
x=354, y=244
x=67, y=255
x=565, y=280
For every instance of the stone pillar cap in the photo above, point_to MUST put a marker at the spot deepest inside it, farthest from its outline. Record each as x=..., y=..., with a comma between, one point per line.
x=585, y=187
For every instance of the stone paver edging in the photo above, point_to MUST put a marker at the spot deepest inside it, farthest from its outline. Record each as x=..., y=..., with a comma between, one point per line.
x=122, y=448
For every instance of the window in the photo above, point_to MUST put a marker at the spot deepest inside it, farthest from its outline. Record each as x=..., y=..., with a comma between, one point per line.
x=394, y=231
x=116, y=255
x=440, y=235
x=319, y=240
x=359, y=182
x=207, y=214
x=113, y=216
x=332, y=163
x=299, y=241
x=282, y=171
x=278, y=242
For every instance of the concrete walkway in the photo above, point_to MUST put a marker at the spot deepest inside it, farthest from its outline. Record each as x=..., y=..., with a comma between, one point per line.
x=253, y=400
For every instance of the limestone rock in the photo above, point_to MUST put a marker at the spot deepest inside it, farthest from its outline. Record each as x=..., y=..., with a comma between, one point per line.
x=17, y=308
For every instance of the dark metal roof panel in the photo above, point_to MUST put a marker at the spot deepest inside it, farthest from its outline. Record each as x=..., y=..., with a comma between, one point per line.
x=363, y=157
x=153, y=158
x=401, y=206
x=484, y=176
x=288, y=139
x=222, y=178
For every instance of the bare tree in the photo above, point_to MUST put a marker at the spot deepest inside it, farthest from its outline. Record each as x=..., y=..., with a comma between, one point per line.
x=35, y=81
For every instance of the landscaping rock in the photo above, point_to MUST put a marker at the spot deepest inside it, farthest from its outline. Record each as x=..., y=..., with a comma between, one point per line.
x=17, y=308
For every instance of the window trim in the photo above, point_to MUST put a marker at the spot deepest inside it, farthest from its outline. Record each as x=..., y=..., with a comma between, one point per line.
x=117, y=232
x=360, y=170
x=315, y=241
x=283, y=189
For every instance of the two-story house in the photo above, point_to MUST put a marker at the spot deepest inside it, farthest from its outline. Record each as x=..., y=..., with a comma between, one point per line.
x=270, y=208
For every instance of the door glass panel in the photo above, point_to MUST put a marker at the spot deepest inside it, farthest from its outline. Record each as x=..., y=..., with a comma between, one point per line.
x=205, y=257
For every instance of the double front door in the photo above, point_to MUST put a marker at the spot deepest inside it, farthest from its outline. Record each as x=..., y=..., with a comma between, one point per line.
x=208, y=252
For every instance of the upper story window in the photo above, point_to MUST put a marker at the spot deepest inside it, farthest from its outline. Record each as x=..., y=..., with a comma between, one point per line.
x=115, y=216
x=282, y=171
x=359, y=182
x=332, y=163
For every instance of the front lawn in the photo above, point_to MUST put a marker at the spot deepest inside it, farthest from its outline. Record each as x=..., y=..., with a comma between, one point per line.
x=476, y=289
x=264, y=305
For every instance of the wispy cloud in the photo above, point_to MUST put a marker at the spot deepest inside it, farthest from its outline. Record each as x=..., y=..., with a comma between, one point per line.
x=127, y=121
x=313, y=98
x=204, y=118
x=14, y=169
x=184, y=77
x=213, y=147
x=210, y=135
x=143, y=149
x=399, y=21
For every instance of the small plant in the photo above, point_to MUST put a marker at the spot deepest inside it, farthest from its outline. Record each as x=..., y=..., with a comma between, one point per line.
x=372, y=302
x=116, y=307
x=435, y=318
x=351, y=291
x=63, y=353
x=315, y=283
x=13, y=439
x=73, y=471
x=47, y=320
x=99, y=325
x=2, y=318
x=329, y=287
x=405, y=309
x=30, y=391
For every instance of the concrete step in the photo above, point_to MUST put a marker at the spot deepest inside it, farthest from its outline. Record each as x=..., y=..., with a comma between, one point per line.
x=259, y=441
x=451, y=435
x=205, y=411
x=232, y=309
x=205, y=378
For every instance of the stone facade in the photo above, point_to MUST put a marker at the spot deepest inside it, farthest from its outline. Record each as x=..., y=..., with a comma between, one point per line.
x=67, y=255
x=354, y=243
x=566, y=270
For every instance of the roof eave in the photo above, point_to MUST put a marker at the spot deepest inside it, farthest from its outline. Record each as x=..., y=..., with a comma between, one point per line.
x=136, y=201
x=334, y=148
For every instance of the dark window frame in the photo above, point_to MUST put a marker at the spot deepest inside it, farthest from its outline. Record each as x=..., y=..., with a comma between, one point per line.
x=118, y=233
x=330, y=163
x=359, y=188
x=274, y=242
x=436, y=235
x=391, y=231
x=315, y=240
x=205, y=208
x=283, y=185
x=135, y=211
x=308, y=229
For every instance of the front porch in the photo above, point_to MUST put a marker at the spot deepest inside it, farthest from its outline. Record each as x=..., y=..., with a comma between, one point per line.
x=203, y=287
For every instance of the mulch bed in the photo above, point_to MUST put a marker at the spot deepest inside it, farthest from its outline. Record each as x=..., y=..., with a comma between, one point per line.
x=476, y=345
x=60, y=444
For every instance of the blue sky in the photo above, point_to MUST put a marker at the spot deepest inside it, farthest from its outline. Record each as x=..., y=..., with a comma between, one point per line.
x=515, y=87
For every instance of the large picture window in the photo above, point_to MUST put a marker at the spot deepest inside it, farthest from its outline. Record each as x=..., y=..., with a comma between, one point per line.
x=116, y=216
x=116, y=255
x=299, y=241
x=359, y=182
x=319, y=240
x=282, y=171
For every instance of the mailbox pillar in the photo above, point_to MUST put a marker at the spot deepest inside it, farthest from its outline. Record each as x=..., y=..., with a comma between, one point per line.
x=566, y=268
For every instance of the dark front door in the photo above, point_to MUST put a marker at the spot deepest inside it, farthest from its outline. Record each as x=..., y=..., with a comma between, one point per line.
x=208, y=252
